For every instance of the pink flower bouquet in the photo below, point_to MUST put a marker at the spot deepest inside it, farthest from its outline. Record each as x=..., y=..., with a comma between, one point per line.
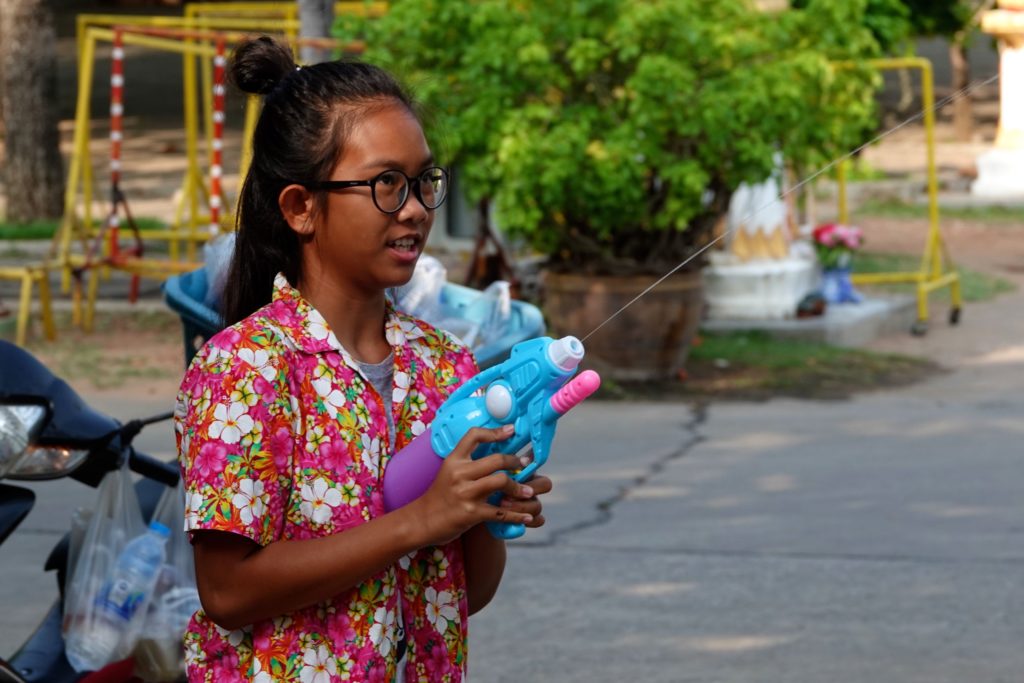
x=836, y=243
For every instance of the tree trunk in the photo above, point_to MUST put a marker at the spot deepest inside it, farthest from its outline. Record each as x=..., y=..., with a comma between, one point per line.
x=32, y=171
x=315, y=19
x=963, y=109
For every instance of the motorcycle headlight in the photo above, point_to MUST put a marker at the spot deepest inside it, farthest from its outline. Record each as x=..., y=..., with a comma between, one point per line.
x=20, y=458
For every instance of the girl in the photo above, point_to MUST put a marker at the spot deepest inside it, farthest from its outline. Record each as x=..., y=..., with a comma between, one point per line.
x=286, y=420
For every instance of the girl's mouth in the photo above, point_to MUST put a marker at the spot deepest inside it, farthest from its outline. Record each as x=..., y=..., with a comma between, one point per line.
x=405, y=248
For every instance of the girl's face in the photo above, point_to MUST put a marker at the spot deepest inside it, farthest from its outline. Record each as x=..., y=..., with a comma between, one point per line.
x=355, y=246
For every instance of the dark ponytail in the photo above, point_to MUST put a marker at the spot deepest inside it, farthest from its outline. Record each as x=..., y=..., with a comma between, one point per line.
x=299, y=137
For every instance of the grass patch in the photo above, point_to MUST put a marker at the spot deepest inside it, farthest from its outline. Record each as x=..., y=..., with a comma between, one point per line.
x=44, y=230
x=974, y=286
x=891, y=208
x=756, y=366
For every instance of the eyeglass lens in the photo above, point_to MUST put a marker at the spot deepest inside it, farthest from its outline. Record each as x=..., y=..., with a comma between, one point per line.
x=391, y=189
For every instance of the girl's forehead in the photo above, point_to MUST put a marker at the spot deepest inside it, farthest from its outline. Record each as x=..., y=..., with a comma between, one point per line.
x=385, y=135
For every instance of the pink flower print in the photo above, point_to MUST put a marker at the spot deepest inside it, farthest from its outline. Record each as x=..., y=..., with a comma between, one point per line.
x=318, y=666
x=212, y=459
x=340, y=630
x=319, y=500
x=228, y=339
x=378, y=673
x=281, y=444
x=334, y=456
x=465, y=366
x=250, y=500
x=264, y=389
x=441, y=608
x=438, y=664
x=230, y=423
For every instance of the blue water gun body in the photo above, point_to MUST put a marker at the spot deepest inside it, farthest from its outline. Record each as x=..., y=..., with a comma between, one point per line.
x=530, y=390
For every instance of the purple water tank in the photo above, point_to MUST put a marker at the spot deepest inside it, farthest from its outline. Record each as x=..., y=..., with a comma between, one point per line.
x=410, y=472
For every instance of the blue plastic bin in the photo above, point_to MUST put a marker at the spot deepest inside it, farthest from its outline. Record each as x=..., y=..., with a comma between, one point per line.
x=185, y=294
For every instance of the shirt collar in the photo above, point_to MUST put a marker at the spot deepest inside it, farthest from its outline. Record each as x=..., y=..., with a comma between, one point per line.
x=309, y=331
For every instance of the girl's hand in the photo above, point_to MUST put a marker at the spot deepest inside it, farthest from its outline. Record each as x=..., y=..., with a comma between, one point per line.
x=530, y=506
x=457, y=499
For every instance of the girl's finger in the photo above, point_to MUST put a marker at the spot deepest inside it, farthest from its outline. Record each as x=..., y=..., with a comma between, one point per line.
x=479, y=435
x=493, y=463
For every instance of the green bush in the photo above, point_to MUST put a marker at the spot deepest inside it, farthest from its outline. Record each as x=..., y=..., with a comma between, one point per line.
x=610, y=134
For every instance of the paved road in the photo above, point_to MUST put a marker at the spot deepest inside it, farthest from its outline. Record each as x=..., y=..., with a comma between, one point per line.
x=876, y=539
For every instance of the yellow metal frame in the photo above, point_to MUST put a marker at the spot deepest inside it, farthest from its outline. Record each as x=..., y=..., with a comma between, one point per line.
x=936, y=270
x=29, y=277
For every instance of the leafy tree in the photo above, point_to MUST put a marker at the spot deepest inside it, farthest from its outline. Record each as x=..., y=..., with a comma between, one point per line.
x=955, y=20
x=611, y=133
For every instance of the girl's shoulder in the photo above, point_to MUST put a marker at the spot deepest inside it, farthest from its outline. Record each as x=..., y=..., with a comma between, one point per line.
x=256, y=341
x=426, y=337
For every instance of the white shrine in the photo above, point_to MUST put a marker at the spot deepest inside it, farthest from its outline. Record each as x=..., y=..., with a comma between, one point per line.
x=1001, y=169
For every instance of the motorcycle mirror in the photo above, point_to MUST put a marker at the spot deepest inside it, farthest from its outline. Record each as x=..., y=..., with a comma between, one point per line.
x=20, y=457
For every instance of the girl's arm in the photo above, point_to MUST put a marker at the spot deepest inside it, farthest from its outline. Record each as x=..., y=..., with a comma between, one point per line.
x=241, y=582
x=484, y=555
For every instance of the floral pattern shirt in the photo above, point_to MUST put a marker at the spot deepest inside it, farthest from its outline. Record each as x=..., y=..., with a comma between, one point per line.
x=281, y=437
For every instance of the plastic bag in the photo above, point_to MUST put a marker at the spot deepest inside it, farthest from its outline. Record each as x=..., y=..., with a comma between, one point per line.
x=421, y=296
x=159, y=653
x=484, y=319
x=217, y=254
x=116, y=520
x=477, y=322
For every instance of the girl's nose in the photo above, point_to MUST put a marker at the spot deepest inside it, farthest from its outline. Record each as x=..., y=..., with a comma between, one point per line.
x=413, y=212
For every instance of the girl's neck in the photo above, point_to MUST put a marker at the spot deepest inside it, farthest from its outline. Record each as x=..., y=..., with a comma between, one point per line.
x=357, y=319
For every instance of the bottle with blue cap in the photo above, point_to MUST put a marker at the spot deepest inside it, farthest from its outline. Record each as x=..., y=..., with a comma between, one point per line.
x=120, y=603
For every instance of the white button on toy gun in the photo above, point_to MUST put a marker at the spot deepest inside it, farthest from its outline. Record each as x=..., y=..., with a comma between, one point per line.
x=530, y=390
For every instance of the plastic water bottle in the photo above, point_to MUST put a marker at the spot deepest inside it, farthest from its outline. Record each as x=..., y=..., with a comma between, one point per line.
x=126, y=590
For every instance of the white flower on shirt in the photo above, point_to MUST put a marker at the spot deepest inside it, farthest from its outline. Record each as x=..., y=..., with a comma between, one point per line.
x=382, y=633
x=317, y=326
x=258, y=674
x=318, y=666
x=230, y=423
x=318, y=500
x=371, y=454
x=401, y=390
x=193, y=510
x=249, y=500
x=418, y=427
x=332, y=396
x=259, y=359
x=441, y=608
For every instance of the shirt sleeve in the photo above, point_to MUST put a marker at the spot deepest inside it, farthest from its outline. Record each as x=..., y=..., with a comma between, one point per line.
x=235, y=436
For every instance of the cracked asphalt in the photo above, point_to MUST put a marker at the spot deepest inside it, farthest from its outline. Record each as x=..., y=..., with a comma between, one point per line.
x=873, y=539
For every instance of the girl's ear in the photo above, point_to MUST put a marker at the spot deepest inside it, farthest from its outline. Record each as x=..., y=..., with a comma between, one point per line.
x=296, y=204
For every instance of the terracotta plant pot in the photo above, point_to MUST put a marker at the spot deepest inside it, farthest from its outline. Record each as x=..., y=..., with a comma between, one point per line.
x=649, y=340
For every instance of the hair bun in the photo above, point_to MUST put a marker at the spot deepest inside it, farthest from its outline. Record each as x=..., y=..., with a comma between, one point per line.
x=259, y=64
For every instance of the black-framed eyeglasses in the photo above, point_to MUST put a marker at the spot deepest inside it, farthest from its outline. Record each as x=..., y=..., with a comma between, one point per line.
x=390, y=189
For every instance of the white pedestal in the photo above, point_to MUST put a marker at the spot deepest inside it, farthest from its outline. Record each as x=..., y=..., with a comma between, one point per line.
x=1000, y=175
x=760, y=290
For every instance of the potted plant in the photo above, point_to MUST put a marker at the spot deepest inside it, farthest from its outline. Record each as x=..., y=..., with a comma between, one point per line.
x=610, y=134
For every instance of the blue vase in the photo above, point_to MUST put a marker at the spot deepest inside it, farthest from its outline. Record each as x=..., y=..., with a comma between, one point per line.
x=836, y=287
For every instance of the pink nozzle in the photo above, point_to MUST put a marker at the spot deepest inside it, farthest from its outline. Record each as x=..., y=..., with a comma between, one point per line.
x=573, y=393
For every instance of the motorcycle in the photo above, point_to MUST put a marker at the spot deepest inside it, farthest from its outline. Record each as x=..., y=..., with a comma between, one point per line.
x=48, y=432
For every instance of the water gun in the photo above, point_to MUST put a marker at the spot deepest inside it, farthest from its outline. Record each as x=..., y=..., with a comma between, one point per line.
x=530, y=390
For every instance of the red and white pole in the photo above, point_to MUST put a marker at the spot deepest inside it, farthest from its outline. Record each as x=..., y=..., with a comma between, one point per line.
x=216, y=158
x=116, y=136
